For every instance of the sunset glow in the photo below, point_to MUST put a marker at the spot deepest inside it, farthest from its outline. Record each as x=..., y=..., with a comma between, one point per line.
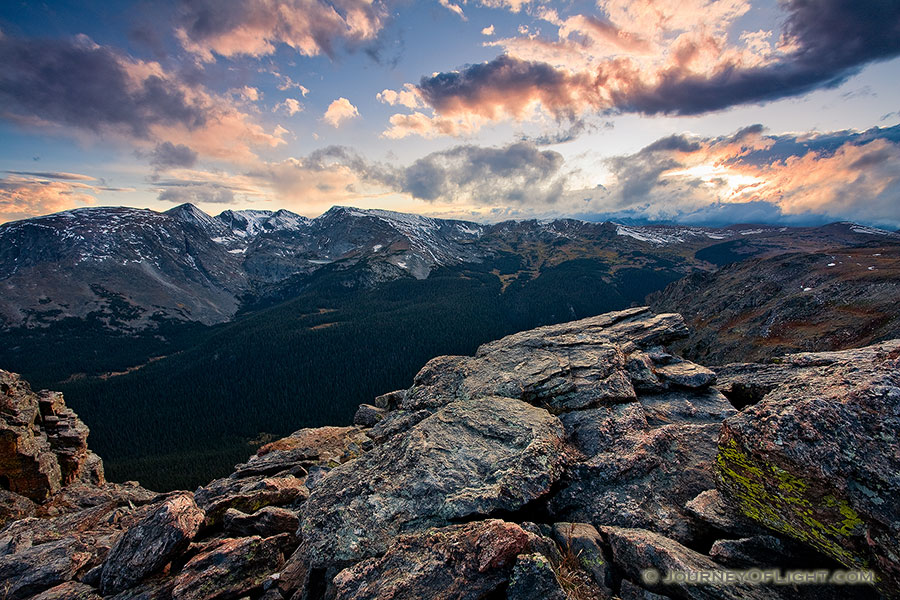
x=483, y=109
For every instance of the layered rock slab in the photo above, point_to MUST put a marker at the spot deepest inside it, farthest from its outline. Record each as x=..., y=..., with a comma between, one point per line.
x=818, y=459
x=459, y=562
x=472, y=457
x=564, y=367
x=43, y=444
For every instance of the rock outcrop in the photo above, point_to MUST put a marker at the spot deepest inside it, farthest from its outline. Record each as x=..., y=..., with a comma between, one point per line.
x=559, y=463
x=818, y=458
x=43, y=444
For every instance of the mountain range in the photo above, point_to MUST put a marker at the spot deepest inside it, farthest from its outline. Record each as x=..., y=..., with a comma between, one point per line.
x=131, y=268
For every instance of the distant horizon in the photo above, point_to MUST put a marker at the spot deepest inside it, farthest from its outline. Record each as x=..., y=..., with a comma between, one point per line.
x=623, y=220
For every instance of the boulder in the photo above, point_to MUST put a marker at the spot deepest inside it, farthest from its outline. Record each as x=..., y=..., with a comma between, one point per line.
x=472, y=457
x=533, y=578
x=598, y=430
x=230, y=569
x=685, y=374
x=28, y=464
x=265, y=522
x=78, y=496
x=635, y=550
x=296, y=453
x=395, y=422
x=151, y=544
x=248, y=494
x=14, y=506
x=643, y=481
x=764, y=551
x=157, y=587
x=368, y=415
x=703, y=407
x=71, y=590
x=39, y=568
x=391, y=400
x=458, y=562
x=818, y=459
x=710, y=508
x=643, y=461
x=631, y=591
x=583, y=543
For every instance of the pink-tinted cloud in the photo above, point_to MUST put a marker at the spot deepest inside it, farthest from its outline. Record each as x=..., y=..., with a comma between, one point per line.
x=425, y=126
x=77, y=84
x=339, y=111
x=669, y=57
x=841, y=175
x=255, y=27
x=28, y=194
x=291, y=106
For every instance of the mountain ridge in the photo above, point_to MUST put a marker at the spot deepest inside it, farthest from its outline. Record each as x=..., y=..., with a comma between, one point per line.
x=143, y=266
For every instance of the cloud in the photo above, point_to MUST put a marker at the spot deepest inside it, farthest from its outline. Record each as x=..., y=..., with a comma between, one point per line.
x=506, y=87
x=78, y=85
x=339, y=111
x=290, y=106
x=679, y=58
x=168, y=155
x=24, y=195
x=489, y=30
x=408, y=96
x=827, y=176
x=428, y=127
x=198, y=193
x=285, y=83
x=512, y=5
x=565, y=134
x=248, y=93
x=454, y=8
x=518, y=174
x=54, y=175
x=254, y=27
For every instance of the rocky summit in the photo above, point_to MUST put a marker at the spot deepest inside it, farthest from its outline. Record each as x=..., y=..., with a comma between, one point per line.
x=557, y=463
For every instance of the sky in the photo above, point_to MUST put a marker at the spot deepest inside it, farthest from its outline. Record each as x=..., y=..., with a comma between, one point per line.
x=706, y=112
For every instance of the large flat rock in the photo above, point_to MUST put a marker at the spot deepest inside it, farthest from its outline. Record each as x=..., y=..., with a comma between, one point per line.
x=471, y=458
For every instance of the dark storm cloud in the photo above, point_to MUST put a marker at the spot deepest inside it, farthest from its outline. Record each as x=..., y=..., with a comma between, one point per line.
x=168, y=155
x=833, y=39
x=77, y=83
